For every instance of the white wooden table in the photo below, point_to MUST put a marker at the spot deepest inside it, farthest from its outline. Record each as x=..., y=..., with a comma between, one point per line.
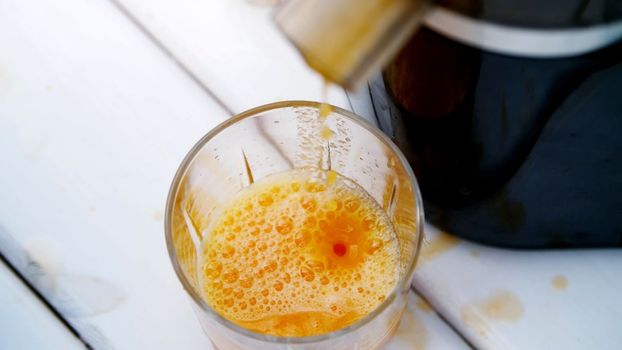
x=99, y=102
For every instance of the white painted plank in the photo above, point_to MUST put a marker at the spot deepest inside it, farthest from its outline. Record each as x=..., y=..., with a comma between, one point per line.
x=508, y=299
x=422, y=329
x=234, y=48
x=25, y=322
x=94, y=121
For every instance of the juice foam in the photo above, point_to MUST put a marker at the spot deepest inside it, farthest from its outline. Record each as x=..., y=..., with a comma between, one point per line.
x=299, y=253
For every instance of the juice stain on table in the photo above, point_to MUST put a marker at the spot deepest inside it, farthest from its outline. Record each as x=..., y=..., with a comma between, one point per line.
x=424, y=306
x=157, y=215
x=411, y=333
x=502, y=306
x=474, y=253
x=437, y=246
x=559, y=282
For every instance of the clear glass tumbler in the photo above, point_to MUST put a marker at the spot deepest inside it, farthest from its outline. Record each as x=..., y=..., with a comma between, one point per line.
x=275, y=138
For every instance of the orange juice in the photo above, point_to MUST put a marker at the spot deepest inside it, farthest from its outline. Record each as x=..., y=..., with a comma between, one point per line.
x=299, y=253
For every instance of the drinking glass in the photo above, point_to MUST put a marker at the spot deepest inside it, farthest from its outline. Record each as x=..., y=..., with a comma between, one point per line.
x=275, y=138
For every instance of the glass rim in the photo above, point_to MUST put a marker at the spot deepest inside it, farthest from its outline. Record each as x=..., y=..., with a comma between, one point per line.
x=187, y=161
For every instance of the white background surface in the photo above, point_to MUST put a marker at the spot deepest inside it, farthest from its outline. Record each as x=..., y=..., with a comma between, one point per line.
x=94, y=119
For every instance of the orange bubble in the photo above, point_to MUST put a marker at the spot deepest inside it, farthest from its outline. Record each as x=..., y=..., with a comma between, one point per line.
x=334, y=205
x=309, y=204
x=271, y=266
x=228, y=221
x=228, y=251
x=302, y=239
x=231, y=276
x=284, y=225
x=353, y=251
x=351, y=205
x=307, y=274
x=213, y=270
x=313, y=186
x=315, y=265
x=246, y=282
x=368, y=224
x=295, y=186
x=265, y=200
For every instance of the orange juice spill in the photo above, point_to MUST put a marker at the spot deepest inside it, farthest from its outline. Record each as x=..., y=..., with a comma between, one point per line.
x=299, y=253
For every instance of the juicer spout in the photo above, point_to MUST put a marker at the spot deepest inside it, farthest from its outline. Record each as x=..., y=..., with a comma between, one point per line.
x=346, y=41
